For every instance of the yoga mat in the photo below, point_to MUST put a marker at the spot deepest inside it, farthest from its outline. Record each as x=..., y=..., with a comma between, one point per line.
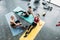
x=29, y=19
x=33, y=33
x=13, y=31
x=18, y=9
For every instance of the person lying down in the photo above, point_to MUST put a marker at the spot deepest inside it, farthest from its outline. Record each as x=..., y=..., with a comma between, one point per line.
x=15, y=24
x=33, y=25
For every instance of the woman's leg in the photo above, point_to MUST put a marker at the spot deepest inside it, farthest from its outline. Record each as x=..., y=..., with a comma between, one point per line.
x=26, y=15
x=32, y=26
x=27, y=32
x=21, y=11
x=17, y=21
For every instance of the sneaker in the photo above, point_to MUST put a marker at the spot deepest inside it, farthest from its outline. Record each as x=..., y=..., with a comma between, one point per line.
x=25, y=36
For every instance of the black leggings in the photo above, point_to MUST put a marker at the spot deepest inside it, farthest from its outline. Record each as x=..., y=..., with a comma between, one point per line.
x=33, y=26
x=24, y=13
x=17, y=21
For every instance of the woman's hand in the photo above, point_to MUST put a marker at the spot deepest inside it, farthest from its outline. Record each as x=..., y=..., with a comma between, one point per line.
x=20, y=23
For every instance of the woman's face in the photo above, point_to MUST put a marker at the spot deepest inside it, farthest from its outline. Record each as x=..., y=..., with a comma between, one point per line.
x=12, y=17
x=29, y=8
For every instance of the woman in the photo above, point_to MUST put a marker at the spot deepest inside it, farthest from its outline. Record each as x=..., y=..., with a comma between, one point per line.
x=26, y=14
x=14, y=23
x=33, y=25
x=30, y=11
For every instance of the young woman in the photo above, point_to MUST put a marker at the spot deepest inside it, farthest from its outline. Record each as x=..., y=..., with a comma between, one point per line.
x=30, y=11
x=33, y=25
x=14, y=23
x=26, y=14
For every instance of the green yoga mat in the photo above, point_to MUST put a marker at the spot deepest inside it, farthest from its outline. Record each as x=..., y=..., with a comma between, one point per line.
x=29, y=19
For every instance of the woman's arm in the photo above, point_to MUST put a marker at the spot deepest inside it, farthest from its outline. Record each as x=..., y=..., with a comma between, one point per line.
x=27, y=13
x=32, y=13
x=39, y=22
x=12, y=21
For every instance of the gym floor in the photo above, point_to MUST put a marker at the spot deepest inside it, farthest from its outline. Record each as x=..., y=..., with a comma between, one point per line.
x=49, y=30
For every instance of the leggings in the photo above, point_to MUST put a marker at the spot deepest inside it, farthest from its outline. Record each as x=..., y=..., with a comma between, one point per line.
x=17, y=21
x=32, y=26
x=24, y=13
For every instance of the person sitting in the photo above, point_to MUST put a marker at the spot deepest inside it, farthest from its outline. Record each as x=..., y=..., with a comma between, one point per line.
x=33, y=25
x=15, y=24
x=30, y=11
